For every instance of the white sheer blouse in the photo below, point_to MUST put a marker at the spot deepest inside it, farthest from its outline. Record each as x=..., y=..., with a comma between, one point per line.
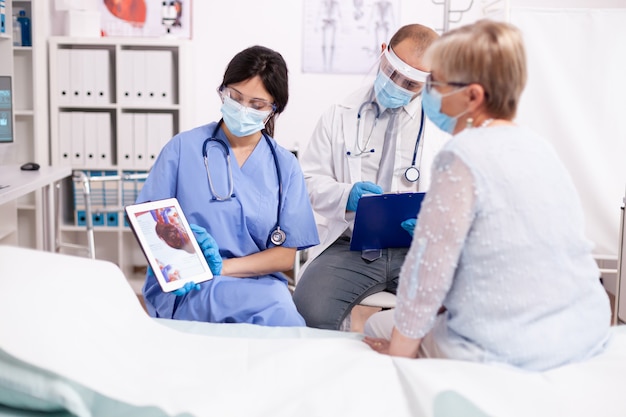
x=500, y=242
x=445, y=218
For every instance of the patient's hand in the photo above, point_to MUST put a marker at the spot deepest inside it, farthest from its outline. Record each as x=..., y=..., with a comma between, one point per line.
x=379, y=345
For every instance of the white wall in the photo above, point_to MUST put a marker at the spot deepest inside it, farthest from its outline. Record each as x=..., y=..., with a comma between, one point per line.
x=575, y=98
x=221, y=29
x=574, y=95
x=583, y=123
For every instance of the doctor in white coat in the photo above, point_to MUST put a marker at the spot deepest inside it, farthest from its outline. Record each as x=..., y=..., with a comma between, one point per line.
x=376, y=140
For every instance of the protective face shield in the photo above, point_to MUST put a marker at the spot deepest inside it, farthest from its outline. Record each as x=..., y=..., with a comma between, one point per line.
x=397, y=83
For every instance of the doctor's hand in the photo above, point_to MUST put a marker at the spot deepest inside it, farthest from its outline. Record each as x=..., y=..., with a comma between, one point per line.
x=357, y=191
x=209, y=248
x=409, y=225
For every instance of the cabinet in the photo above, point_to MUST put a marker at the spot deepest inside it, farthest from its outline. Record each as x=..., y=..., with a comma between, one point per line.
x=27, y=65
x=114, y=102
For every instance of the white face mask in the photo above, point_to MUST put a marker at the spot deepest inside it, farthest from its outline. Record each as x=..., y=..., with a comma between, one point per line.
x=241, y=120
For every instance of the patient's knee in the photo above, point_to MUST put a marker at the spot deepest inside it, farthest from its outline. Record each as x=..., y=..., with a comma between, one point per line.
x=379, y=324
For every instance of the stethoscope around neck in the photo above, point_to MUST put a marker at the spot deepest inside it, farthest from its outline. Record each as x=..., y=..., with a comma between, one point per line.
x=277, y=235
x=412, y=173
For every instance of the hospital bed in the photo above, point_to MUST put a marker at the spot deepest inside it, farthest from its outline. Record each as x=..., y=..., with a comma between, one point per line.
x=74, y=340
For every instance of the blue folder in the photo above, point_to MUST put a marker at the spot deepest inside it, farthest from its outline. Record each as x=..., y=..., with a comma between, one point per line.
x=378, y=217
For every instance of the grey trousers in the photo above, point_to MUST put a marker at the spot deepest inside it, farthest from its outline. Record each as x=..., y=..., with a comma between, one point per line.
x=339, y=279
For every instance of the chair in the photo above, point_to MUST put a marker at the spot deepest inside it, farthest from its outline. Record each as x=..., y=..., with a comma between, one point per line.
x=384, y=300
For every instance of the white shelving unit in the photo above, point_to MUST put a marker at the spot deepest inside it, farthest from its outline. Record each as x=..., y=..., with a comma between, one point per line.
x=121, y=101
x=27, y=66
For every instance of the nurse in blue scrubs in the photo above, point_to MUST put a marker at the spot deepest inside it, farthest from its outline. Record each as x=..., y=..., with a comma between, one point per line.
x=245, y=197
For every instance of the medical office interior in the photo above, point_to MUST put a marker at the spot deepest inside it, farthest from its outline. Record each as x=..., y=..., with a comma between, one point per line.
x=68, y=105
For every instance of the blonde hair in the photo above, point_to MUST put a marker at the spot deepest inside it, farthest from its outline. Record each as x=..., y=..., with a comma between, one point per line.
x=488, y=53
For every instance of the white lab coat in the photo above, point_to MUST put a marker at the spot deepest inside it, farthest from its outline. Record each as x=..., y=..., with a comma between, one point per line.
x=330, y=172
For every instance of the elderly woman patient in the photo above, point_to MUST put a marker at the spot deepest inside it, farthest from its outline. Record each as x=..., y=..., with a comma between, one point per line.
x=500, y=237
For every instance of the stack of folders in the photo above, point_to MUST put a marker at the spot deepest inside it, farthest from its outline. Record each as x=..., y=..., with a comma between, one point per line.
x=146, y=77
x=104, y=200
x=130, y=189
x=85, y=139
x=84, y=77
x=142, y=135
x=106, y=209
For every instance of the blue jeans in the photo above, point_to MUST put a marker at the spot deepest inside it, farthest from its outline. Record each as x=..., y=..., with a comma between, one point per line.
x=339, y=279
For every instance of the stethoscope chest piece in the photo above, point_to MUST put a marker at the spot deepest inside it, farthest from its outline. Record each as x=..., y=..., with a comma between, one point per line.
x=277, y=237
x=412, y=174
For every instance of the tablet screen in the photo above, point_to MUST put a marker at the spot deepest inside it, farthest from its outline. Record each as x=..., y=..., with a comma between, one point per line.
x=168, y=243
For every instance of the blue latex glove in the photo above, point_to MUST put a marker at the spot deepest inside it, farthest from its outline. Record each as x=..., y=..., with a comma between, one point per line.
x=189, y=286
x=357, y=191
x=209, y=248
x=409, y=225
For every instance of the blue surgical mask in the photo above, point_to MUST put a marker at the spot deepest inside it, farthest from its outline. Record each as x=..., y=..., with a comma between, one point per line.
x=389, y=94
x=431, y=103
x=242, y=120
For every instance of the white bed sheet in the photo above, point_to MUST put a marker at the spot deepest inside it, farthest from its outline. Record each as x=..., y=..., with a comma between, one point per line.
x=73, y=336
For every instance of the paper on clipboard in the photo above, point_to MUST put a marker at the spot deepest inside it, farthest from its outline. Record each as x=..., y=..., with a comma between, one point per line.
x=378, y=217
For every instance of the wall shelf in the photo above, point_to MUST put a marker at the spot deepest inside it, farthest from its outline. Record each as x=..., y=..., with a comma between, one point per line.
x=132, y=90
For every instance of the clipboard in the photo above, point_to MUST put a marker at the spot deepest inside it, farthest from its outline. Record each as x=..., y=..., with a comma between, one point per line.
x=378, y=217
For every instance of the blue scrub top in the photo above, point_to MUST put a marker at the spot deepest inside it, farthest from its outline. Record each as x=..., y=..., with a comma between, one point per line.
x=240, y=226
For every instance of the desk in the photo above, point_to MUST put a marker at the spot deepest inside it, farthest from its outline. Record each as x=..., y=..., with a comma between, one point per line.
x=21, y=183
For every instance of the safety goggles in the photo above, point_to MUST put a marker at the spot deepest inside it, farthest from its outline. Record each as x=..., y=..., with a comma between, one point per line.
x=430, y=83
x=401, y=73
x=246, y=101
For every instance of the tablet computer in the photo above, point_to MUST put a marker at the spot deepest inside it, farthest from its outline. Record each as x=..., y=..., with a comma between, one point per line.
x=378, y=217
x=168, y=243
